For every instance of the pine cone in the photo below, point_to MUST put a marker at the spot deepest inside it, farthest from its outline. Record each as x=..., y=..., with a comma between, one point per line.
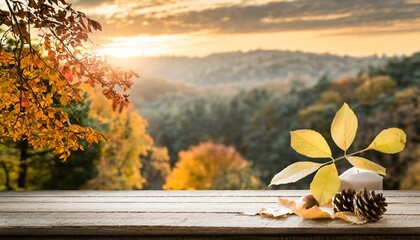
x=369, y=206
x=343, y=201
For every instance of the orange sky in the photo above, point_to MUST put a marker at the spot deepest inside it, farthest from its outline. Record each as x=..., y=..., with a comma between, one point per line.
x=201, y=27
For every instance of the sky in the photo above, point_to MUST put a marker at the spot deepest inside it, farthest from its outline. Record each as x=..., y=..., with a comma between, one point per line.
x=201, y=27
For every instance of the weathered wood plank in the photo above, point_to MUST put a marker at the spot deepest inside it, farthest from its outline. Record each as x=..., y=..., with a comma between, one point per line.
x=153, y=199
x=192, y=223
x=213, y=193
x=229, y=237
x=190, y=213
x=408, y=209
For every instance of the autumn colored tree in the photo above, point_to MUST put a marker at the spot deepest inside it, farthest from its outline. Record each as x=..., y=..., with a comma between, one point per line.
x=121, y=158
x=47, y=171
x=372, y=88
x=211, y=166
x=44, y=59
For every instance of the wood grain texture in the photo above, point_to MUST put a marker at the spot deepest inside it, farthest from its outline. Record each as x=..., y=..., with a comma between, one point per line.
x=176, y=199
x=221, y=237
x=187, y=215
x=161, y=193
x=210, y=207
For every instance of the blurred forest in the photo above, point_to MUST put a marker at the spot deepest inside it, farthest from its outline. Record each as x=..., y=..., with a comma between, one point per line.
x=257, y=122
x=229, y=141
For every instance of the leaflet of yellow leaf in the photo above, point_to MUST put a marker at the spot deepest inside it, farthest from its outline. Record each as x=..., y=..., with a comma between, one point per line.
x=325, y=184
x=391, y=140
x=344, y=127
x=350, y=217
x=365, y=164
x=294, y=172
x=314, y=212
x=310, y=143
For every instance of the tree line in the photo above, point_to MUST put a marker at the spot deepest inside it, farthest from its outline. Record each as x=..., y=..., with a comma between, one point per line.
x=257, y=122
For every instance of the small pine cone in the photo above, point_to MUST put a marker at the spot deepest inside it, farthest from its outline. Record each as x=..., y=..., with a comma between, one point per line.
x=343, y=201
x=369, y=206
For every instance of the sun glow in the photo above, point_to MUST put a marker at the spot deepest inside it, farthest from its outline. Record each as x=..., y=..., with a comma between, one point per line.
x=125, y=47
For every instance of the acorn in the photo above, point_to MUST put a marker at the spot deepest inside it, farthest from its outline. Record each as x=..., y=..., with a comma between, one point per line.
x=309, y=201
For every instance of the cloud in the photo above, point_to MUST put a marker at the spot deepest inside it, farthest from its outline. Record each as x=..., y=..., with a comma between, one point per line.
x=90, y=3
x=155, y=17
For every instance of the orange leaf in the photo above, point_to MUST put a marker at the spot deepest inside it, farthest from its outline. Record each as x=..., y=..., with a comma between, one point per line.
x=350, y=217
x=24, y=101
x=314, y=212
x=286, y=203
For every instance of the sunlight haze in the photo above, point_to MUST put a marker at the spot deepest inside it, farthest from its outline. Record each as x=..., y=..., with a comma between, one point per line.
x=199, y=28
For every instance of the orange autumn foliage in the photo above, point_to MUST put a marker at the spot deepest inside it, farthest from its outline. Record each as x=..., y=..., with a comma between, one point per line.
x=123, y=156
x=44, y=57
x=211, y=166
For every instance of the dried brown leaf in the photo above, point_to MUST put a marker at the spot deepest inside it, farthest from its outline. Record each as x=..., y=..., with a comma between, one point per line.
x=314, y=212
x=275, y=212
x=350, y=217
x=286, y=203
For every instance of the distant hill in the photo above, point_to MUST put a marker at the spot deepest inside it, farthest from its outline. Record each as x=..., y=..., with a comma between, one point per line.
x=227, y=73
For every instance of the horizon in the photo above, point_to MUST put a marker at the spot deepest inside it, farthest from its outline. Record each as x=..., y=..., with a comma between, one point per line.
x=269, y=50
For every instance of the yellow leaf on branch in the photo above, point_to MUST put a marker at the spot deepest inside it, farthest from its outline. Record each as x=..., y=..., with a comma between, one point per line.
x=310, y=143
x=325, y=184
x=365, y=164
x=295, y=172
x=344, y=127
x=391, y=140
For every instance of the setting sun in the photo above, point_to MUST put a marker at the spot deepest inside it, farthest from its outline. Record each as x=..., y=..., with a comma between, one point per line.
x=147, y=46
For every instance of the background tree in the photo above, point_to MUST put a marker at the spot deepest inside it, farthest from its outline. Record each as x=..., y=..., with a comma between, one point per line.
x=211, y=166
x=43, y=61
x=121, y=160
x=156, y=168
x=372, y=88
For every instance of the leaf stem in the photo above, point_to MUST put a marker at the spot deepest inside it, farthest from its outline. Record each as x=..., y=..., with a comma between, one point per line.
x=345, y=155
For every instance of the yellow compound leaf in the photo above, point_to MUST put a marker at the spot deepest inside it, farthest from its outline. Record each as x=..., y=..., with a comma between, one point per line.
x=344, y=127
x=365, y=164
x=294, y=172
x=391, y=140
x=310, y=143
x=325, y=184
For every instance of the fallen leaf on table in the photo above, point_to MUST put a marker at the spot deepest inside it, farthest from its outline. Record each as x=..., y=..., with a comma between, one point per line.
x=314, y=212
x=350, y=217
x=299, y=208
x=275, y=211
x=289, y=207
x=286, y=203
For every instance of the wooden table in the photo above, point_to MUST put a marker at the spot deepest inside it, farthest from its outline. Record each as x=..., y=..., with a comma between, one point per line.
x=186, y=215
